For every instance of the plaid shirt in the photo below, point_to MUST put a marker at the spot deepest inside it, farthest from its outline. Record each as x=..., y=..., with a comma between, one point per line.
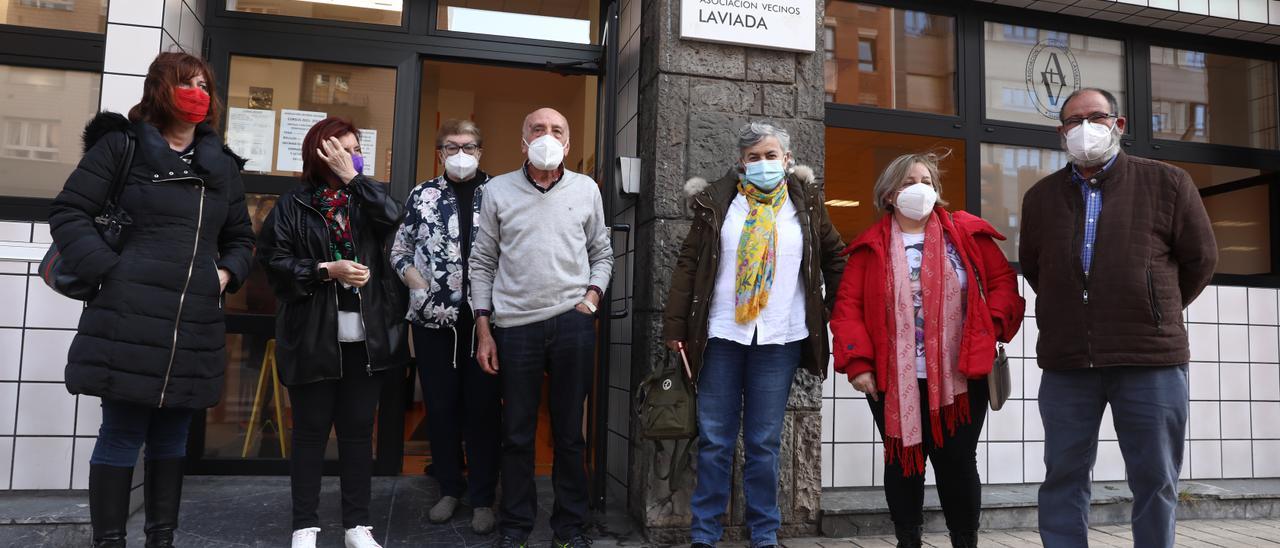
x=1092, y=209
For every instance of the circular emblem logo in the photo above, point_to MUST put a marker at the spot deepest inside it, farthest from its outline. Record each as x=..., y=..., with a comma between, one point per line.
x=1052, y=74
x=666, y=385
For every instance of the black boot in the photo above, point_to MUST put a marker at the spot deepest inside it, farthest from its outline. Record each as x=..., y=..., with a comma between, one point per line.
x=964, y=539
x=163, y=488
x=908, y=537
x=109, y=504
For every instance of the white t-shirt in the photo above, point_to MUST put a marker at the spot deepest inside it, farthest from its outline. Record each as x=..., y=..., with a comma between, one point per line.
x=783, y=319
x=913, y=247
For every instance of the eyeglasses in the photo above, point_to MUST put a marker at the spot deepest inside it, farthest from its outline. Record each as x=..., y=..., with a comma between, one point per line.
x=1095, y=118
x=451, y=149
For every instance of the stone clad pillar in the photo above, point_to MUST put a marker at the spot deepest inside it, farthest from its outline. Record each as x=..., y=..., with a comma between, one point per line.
x=693, y=98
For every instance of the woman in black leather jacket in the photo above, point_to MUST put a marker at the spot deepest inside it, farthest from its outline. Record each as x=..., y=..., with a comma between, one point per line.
x=338, y=329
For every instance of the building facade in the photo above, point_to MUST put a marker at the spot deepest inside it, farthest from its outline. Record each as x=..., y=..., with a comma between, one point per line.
x=1196, y=78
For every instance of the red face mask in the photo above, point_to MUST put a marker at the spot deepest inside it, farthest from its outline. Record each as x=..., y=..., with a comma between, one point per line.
x=192, y=103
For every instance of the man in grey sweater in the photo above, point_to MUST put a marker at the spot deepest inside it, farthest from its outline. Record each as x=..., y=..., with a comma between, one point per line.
x=538, y=265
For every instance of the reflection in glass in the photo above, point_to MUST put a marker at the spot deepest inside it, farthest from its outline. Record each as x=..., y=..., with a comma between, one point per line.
x=1007, y=173
x=889, y=58
x=1030, y=71
x=41, y=117
x=497, y=100
x=227, y=424
x=575, y=21
x=854, y=160
x=365, y=95
x=379, y=12
x=255, y=296
x=1242, y=226
x=1211, y=98
x=74, y=15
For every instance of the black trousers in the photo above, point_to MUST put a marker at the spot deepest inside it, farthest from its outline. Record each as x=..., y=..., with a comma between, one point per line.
x=955, y=467
x=463, y=407
x=563, y=348
x=348, y=406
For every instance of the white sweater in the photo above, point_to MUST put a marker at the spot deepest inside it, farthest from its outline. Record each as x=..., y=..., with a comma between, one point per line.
x=536, y=253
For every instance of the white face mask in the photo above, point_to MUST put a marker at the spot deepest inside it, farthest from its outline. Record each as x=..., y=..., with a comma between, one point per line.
x=461, y=166
x=1091, y=145
x=916, y=201
x=546, y=152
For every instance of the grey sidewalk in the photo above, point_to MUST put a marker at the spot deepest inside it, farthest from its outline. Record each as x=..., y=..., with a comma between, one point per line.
x=1227, y=533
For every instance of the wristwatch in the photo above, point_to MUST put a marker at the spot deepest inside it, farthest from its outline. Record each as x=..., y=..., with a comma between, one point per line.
x=322, y=271
x=589, y=306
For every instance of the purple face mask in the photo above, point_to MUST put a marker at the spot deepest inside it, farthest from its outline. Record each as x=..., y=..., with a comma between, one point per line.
x=357, y=161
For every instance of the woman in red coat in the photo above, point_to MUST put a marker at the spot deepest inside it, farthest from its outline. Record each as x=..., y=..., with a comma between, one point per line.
x=925, y=296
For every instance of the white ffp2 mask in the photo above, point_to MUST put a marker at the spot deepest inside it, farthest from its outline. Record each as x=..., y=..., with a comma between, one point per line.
x=1091, y=144
x=546, y=152
x=917, y=201
x=461, y=166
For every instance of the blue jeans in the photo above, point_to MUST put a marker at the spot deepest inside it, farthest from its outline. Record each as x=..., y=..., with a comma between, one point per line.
x=1149, y=406
x=741, y=385
x=126, y=427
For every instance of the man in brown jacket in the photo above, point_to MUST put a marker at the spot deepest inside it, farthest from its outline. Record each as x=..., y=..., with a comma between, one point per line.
x=1111, y=284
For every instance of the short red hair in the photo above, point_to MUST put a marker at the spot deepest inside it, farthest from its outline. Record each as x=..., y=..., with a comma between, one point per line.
x=314, y=170
x=167, y=71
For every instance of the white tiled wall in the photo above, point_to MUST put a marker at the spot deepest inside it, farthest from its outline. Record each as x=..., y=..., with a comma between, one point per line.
x=1253, y=20
x=43, y=429
x=1233, y=428
x=136, y=31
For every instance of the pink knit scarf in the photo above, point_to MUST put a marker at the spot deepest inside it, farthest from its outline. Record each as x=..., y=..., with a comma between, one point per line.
x=944, y=323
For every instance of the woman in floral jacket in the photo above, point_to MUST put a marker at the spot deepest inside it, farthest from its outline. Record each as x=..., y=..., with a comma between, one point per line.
x=430, y=254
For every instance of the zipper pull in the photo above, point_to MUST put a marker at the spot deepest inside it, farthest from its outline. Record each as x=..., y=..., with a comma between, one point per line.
x=1086, y=296
x=368, y=368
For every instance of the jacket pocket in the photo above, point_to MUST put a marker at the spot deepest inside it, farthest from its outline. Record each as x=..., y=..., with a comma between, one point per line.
x=1156, y=317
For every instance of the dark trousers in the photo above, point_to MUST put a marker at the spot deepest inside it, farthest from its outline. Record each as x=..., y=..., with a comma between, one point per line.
x=463, y=406
x=955, y=467
x=1149, y=406
x=348, y=406
x=127, y=427
x=563, y=348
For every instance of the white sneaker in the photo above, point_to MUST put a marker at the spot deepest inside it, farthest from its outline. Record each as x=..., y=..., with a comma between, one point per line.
x=305, y=538
x=361, y=536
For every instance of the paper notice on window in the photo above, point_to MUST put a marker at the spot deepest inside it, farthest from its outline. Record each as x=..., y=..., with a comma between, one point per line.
x=294, y=125
x=369, y=144
x=251, y=133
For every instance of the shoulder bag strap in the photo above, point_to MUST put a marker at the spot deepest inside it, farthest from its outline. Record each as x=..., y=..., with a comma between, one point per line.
x=121, y=174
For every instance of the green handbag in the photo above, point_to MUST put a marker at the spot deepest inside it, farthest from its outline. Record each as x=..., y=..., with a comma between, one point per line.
x=667, y=409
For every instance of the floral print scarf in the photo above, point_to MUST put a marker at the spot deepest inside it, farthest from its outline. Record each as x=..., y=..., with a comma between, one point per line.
x=334, y=204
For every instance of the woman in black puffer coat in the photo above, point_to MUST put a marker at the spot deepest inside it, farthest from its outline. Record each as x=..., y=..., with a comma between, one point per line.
x=151, y=343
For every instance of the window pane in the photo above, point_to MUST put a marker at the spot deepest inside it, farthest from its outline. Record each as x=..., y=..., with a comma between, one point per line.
x=855, y=159
x=1029, y=71
x=1007, y=173
x=41, y=117
x=497, y=100
x=75, y=15
x=255, y=296
x=1207, y=175
x=378, y=12
x=1242, y=225
x=268, y=96
x=890, y=58
x=1210, y=98
x=573, y=21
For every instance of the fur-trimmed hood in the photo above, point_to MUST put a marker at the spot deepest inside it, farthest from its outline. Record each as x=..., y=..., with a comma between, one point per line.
x=102, y=124
x=803, y=174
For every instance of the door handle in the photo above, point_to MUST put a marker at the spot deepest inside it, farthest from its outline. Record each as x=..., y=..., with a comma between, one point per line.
x=626, y=308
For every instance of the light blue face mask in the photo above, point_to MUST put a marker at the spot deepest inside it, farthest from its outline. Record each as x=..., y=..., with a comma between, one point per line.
x=764, y=174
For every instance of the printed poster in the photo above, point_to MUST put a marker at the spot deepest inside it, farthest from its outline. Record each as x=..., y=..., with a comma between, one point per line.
x=369, y=144
x=250, y=134
x=294, y=125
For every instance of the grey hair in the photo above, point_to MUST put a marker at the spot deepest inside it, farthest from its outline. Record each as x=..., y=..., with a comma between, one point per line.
x=891, y=179
x=751, y=134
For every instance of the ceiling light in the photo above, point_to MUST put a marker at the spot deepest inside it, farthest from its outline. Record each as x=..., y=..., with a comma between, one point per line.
x=843, y=203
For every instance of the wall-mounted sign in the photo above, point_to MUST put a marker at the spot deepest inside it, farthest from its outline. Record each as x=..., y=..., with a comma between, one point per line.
x=1052, y=74
x=774, y=24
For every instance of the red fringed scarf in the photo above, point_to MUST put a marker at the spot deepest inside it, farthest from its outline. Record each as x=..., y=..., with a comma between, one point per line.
x=944, y=324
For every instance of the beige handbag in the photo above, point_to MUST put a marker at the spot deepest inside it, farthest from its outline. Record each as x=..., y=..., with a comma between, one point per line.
x=999, y=383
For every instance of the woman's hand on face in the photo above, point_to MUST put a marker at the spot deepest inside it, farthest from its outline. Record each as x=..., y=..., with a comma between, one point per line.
x=338, y=159
x=349, y=272
x=866, y=383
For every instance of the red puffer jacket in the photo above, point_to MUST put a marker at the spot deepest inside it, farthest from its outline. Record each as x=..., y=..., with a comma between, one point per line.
x=862, y=322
